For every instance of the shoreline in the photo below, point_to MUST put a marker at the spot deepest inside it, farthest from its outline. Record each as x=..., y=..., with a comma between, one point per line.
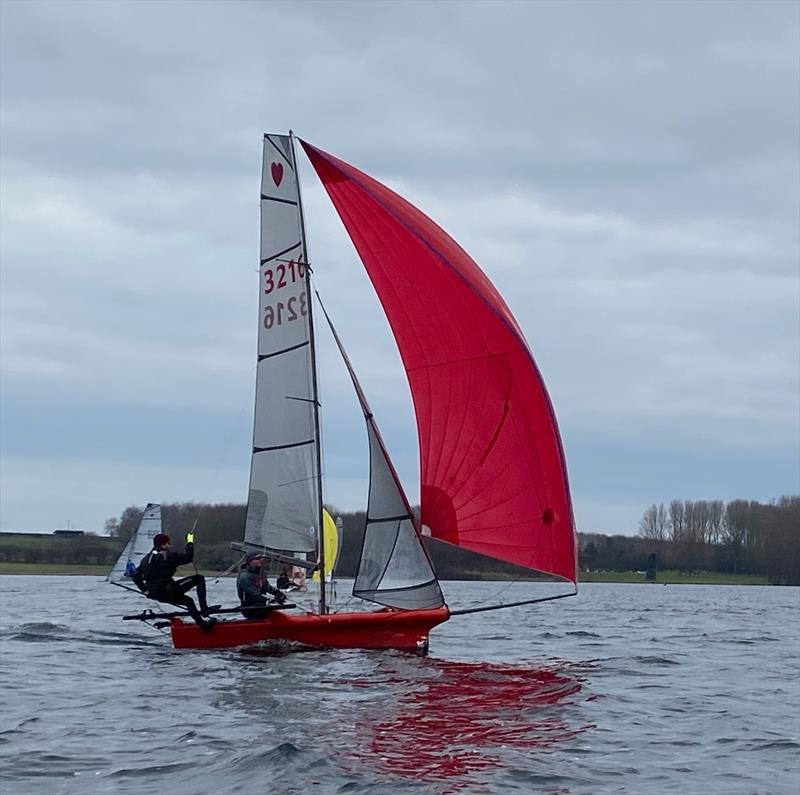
x=629, y=577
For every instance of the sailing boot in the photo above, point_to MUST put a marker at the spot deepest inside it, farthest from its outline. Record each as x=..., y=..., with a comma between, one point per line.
x=208, y=625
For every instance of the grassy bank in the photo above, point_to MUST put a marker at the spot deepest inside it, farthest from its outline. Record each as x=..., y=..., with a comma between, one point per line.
x=664, y=577
x=676, y=578
x=52, y=568
x=48, y=569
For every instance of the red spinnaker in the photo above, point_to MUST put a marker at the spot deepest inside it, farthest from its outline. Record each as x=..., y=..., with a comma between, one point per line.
x=494, y=477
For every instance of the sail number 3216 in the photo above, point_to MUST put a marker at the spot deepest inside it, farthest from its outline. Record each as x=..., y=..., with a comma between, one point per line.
x=277, y=278
x=284, y=275
x=284, y=313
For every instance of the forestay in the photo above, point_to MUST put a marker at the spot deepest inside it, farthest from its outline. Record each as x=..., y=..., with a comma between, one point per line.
x=140, y=543
x=283, y=502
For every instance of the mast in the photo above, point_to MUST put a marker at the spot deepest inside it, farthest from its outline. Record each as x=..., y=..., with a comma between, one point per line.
x=323, y=609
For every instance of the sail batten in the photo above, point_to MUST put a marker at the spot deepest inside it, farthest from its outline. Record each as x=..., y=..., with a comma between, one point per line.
x=278, y=255
x=490, y=449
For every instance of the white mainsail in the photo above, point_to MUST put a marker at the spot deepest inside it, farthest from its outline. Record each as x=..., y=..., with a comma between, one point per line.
x=283, y=506
x=140, y=543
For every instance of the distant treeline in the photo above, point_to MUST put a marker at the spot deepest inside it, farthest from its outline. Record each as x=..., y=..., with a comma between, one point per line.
x=216, y=526
x=739, y=537
x=77, y=550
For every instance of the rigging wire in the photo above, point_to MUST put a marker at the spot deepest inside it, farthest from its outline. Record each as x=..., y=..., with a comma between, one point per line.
x=508, y=585
x=236, y=565
x=229, y=570
x=498, y=594
x=512, y=604
x=505, y=588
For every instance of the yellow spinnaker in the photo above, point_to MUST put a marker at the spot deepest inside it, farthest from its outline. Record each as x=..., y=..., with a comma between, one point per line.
x=330, y=541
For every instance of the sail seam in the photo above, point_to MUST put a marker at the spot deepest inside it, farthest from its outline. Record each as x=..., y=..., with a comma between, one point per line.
x=265, y=198
x=263, y=356
x=265, y=260
x=464, y=360
x=389, y=519
x=282, y=446
x=391, y=552
x=396, y=590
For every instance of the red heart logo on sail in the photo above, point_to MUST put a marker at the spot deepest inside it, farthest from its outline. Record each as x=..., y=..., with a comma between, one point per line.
x=277, y=173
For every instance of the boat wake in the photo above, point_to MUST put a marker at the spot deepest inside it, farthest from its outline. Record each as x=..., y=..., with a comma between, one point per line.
x=40, y=632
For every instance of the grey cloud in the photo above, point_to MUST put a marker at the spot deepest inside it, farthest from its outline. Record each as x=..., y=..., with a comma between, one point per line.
x=627, y=174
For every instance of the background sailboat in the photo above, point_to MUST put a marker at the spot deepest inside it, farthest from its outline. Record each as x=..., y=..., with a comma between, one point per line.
x=140, y=543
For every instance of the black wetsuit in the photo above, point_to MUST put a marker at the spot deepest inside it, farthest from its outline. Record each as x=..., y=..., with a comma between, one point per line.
x=158, y=569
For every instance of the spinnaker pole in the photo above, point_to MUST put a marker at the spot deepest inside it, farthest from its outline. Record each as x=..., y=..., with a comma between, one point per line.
x=512, y=604
x=323, y=609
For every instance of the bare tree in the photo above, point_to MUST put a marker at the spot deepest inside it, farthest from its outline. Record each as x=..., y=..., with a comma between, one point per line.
x=654, y=523
x=734, y=530
x=677, y=519
x=716, y=510
x=662, y=522
x=648, y=524
x=696, y=514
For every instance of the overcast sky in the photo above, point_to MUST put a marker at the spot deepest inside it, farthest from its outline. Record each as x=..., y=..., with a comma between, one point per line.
x=626, y=174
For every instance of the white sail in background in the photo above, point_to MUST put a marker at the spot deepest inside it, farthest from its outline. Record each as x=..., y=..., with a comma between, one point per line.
x=141, y=542
x=283, y=506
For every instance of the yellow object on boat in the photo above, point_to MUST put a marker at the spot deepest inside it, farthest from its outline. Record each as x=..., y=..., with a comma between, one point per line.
x=330, y=541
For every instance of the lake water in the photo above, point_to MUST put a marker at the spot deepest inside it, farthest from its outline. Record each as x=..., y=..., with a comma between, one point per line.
x=623, y=689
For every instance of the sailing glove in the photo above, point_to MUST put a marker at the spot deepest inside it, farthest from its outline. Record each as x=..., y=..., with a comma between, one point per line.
x=280, y=597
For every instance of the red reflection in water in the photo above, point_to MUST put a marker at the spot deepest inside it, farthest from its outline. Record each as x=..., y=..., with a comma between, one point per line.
x=455, y=720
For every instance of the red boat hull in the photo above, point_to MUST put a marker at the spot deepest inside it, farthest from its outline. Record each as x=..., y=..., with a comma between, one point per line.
x=406, y=630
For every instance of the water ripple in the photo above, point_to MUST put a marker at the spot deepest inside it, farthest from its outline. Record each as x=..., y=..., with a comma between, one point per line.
x=687, y=690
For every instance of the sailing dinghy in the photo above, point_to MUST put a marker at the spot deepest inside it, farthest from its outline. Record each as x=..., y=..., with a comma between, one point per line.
x=139, y=544
x=493, y=472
